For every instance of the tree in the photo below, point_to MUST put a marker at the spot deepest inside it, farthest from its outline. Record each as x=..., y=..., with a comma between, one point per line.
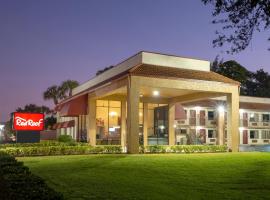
x=50, y=121
x=53, y=93
x=104, y=70
x=8, y=128
x=255, y=84
x=262, y=83
x=67, y=86
x=235, y=71
x=33, y=108
x=239, y=19
x=58, y=93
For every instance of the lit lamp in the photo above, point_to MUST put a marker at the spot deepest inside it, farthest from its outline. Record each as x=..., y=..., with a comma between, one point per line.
x=221, y=109
x=156, y=93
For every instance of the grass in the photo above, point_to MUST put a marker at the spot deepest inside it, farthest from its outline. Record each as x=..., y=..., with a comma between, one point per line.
x=162, y=176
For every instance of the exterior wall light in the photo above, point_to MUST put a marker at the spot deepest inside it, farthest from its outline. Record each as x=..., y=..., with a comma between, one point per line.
x=162, y=127
x=241, y=129
x=156, y=93
x=112, y=114
x=221, y=109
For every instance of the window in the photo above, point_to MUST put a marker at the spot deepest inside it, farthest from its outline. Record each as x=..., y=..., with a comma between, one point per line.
x=183, y=131
x=265, y=117
x=211, y=115
x=141, y=123
x=254, y=134
x=265, y=134
x=157, y=124
x=253, y=117
x=211, y=133
x=108, y=122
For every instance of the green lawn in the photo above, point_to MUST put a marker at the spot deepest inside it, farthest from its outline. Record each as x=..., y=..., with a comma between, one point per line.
x=167, y=176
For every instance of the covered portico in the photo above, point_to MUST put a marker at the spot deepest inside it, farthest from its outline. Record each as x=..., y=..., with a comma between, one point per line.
x=150, y=78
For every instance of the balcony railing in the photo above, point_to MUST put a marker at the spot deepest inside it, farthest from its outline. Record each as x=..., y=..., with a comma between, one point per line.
x=257, y=123
x=201, y=121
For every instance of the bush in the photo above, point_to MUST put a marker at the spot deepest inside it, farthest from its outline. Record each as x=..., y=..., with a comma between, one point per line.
x=66, y=139
x=183, y=149
x=43, y=143
x=17, y=182
x=60, y=150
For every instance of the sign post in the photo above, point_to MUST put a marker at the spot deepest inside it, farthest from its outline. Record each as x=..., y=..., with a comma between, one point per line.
x=27, y=126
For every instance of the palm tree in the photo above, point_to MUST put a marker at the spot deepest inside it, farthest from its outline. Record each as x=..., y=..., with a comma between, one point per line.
x=52, y=93
x=68, y=85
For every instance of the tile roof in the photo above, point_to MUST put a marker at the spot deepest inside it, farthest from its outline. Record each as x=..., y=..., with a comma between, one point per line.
x=170, y=72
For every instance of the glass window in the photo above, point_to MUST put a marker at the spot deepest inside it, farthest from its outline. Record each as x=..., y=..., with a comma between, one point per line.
x=254, y=134
x=108, y=121
x=265, y=134
x=254, y=117
x=266, y=117
x=211, y=115
x=102, y=103
x=211, y=134
x=141, y=123
x=157, y=124
x=114, y=121
x=183, y=131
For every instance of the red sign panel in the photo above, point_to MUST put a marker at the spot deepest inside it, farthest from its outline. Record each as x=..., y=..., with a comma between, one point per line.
x=28, y=121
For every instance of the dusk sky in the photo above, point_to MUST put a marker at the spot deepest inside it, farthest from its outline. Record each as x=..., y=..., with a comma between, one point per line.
x=43, y=43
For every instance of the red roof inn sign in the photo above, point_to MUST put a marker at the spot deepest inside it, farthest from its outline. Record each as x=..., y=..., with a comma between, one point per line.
x=28, y=121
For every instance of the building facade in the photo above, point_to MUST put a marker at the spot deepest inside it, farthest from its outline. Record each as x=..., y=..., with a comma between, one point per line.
x=153, y=98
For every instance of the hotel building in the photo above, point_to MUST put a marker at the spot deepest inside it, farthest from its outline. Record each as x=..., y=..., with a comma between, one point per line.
x=153, y=98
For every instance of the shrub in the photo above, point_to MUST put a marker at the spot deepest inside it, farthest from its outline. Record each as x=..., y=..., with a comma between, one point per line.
x=60, y=150
x=43, y=143
x=17, y=182
x=183, y=149
x=66, y=139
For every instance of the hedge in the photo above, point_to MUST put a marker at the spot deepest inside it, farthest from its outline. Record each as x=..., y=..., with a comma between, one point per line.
x=44, y=144
x=183, y=149
x=17, y=182
x=60, y=150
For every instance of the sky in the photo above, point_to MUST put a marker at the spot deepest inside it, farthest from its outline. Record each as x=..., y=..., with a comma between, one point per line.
x=44, y=42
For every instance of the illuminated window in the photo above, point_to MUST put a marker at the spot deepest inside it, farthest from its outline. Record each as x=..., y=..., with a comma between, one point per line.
x=157, y=124
x=108, y=121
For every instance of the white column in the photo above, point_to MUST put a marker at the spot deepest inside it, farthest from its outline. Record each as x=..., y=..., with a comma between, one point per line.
x=233, y=121
x=145, y=124
x=171, y=119
x=133, y=116
x=92, y=121
x=123, y=124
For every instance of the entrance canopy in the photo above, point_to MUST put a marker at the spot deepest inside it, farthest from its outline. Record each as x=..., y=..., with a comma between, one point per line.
x=155, y=78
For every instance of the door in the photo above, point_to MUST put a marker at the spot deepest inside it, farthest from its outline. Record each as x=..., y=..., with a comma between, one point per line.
x=202, y=117
x=192, y=118
x=202, y=136
x=245, y=137
x=245, y=120
x=161, y=124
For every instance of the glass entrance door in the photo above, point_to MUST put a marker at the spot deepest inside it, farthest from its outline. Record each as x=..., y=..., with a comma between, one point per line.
x=161, y=125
